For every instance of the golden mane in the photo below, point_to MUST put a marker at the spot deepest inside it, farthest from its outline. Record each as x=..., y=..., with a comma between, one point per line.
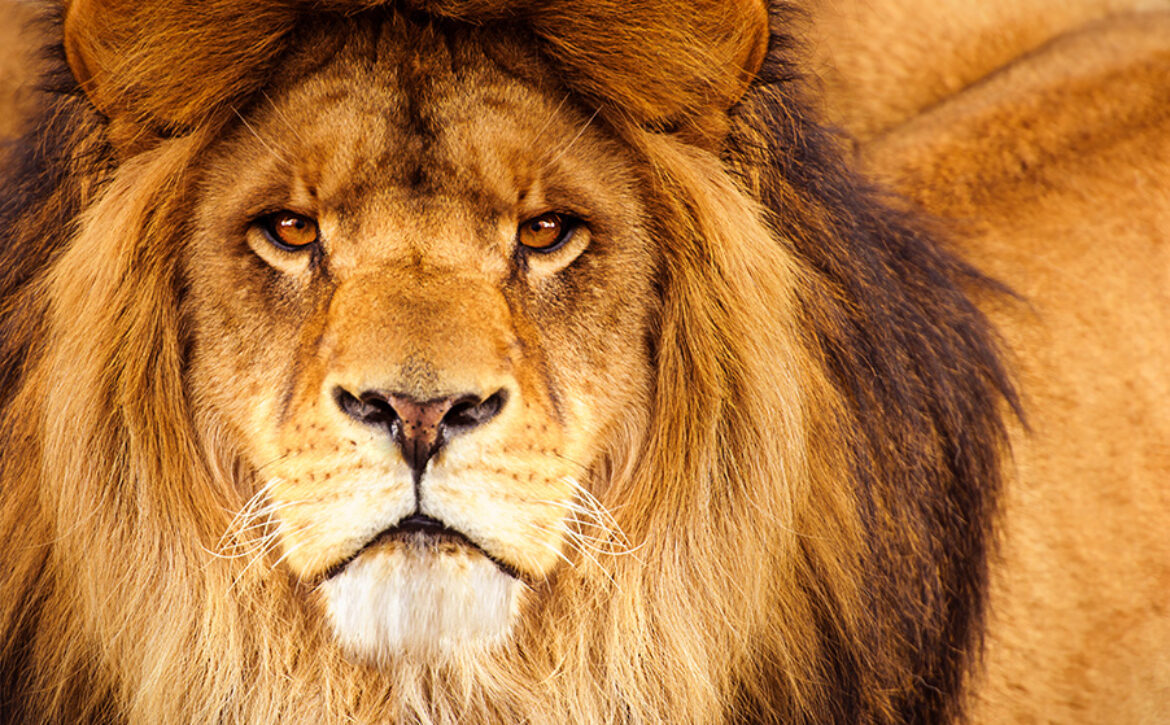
x=811, y=505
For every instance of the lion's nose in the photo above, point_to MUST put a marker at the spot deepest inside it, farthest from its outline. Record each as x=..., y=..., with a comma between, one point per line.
x=420, y=428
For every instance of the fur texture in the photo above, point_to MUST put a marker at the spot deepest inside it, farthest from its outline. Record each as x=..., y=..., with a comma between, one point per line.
x=884, y=62
x=1055, y=170
x=804, y=509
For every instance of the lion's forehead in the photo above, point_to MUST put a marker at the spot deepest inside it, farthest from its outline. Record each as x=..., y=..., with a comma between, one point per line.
x=372, y=130
x=441, y=166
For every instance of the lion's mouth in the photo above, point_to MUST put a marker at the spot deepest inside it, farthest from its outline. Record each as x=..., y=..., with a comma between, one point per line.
x=421, y=532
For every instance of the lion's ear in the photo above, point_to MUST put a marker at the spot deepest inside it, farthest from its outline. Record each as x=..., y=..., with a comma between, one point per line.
x=669, y=64
x=677, y=64
x=156, y=67
x=159, y=67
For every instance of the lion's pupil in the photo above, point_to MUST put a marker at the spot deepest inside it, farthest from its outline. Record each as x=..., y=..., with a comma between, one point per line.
x=295, y=230
x=541, y=232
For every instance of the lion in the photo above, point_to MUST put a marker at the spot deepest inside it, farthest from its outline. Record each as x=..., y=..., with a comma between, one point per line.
x=509, y=361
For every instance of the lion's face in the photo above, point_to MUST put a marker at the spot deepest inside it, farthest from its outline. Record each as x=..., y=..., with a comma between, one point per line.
x=418, y=295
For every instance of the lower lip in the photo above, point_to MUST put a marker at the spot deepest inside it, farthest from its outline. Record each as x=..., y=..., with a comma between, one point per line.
x=437, y=540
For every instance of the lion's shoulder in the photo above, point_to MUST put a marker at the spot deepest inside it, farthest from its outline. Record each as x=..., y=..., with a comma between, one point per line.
x=1066, y=115
x=888, y=61
x=1055, y=169
x=21, y=38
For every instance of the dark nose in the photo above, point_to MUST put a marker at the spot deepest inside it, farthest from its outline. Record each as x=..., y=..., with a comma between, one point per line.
x=420, y=428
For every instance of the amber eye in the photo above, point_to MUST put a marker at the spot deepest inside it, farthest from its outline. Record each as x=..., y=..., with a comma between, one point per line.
x=547, y=232
x=289, y=231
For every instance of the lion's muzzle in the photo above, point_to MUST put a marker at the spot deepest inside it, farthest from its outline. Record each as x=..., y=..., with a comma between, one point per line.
x=420, y=428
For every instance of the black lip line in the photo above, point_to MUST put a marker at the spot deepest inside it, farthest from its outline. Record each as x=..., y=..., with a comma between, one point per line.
x=421, y=523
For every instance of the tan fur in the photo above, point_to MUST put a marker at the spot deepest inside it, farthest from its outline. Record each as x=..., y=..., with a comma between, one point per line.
x=18, y=44
x=752, y=442
x=883, y=62
x=1056, y=167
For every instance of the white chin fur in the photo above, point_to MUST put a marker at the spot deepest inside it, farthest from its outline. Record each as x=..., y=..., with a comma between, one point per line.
x=420, y=601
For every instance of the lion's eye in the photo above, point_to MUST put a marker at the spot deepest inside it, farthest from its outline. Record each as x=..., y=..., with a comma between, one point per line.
x=547, y=232
x=289, y=231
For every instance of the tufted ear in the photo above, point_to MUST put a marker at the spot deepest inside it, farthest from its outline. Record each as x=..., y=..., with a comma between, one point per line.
x=159, y=67
x=678, y=64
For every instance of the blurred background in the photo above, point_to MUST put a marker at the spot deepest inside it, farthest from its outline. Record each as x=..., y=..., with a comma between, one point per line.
x=19, y=44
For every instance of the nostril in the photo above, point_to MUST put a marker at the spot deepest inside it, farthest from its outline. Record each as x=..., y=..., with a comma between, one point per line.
x=470, y=411
x=369, y=408
x=420, y=427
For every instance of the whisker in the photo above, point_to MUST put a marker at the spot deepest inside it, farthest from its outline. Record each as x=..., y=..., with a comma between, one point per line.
x=583, y=551
x=573, y=141
x=548, y=119
x=260, y=556
x=284, y=119
x=260, y=138
x=253, y=515
x=269, y=464
x=596, y=510
x=555, y=550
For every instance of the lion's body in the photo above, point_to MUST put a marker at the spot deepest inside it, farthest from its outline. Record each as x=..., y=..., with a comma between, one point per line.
x=1041, y=131
x=779, y=433
x=1057, y=168
x=19, y=48
x=886, y=61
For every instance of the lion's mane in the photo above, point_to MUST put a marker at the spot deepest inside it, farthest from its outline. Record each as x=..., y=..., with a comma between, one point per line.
x=812, y=504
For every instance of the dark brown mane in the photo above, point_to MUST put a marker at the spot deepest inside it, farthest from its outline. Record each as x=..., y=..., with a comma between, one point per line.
x=919, y=366
x=886, y=310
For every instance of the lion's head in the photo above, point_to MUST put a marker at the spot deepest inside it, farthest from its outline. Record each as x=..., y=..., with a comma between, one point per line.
x=476, y=361
x=420, y=297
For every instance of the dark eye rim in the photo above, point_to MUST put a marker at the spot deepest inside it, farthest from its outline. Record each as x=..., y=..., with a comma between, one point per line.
x=570, y=224
x=266, y=224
